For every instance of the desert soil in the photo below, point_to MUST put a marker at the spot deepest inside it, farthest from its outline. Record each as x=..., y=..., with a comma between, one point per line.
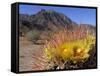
x=30, y=56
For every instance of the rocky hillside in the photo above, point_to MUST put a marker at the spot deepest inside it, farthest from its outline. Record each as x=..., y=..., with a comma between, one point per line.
x=47, y=21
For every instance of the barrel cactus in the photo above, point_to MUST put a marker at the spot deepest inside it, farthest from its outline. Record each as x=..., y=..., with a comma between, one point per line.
x=69, y=45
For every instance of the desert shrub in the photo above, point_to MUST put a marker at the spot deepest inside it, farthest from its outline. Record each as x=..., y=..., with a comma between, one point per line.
x=23, y=30
x=67, y=46
x=33, y=35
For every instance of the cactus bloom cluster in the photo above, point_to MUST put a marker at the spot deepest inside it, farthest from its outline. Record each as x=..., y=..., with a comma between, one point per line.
x=69, y=45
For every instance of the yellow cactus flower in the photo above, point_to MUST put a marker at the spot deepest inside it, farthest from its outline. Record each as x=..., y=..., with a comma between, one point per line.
x=69, y=46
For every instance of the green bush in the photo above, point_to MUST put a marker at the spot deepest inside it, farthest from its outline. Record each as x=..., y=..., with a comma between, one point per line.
x=33, y=35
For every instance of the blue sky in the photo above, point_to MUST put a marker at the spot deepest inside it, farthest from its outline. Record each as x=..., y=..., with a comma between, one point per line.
x=78, y=15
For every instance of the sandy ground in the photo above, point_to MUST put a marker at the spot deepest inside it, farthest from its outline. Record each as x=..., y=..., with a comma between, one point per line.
x=30, y=55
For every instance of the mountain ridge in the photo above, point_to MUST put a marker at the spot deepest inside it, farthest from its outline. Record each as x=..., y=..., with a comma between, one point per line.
x=47, y=20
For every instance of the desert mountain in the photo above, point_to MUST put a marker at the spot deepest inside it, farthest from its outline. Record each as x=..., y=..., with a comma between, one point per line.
x=46, y=21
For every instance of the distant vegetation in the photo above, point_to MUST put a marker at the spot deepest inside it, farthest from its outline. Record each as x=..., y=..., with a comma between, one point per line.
x=33, y=35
